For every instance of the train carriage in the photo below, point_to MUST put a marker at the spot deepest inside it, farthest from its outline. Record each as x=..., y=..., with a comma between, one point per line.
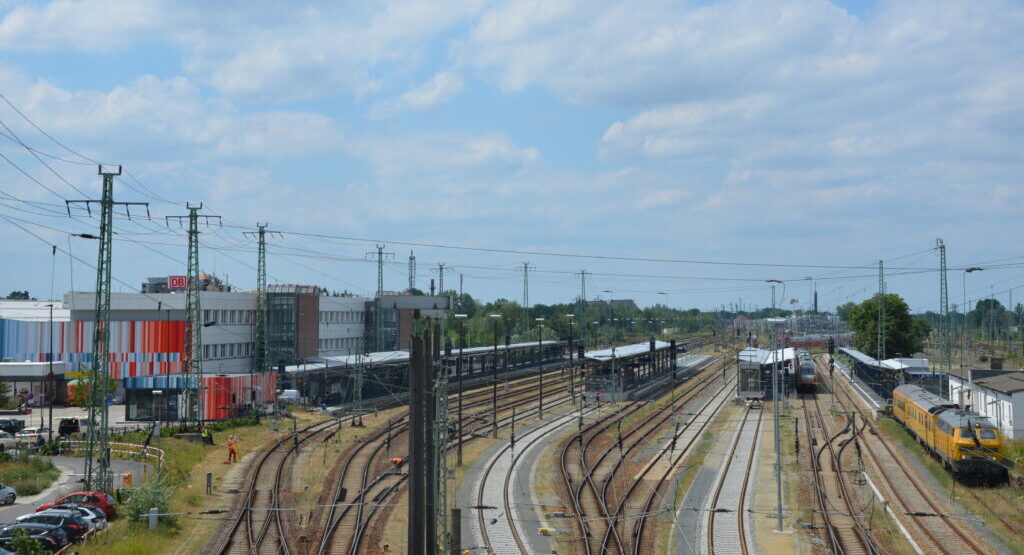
x=967, y=444
x=806, y=374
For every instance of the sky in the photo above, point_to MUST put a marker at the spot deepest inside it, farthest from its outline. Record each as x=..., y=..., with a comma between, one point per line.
x=681, y=152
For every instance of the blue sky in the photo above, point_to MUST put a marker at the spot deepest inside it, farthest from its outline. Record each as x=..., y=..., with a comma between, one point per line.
x=800, y=133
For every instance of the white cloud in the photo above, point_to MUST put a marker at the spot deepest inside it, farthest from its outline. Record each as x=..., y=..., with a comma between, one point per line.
x=439, y=89
x=167, y=119
x=88, y=25
x=432, y=158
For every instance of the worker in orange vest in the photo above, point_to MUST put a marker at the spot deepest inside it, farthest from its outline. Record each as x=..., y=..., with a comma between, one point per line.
x=232, y=453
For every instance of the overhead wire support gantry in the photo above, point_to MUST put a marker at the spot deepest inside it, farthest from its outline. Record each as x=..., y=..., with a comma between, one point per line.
x=97, y=458
x=192, y=369
x=261, y=356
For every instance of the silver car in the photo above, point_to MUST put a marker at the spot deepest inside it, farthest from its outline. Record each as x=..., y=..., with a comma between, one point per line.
x=96, y=518
x=7, y=494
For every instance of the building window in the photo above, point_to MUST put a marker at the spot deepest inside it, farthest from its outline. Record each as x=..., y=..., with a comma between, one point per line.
x=206, y=351
x=223, y=350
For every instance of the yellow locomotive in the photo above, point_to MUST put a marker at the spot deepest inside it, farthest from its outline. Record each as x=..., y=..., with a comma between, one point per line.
x=967, y=444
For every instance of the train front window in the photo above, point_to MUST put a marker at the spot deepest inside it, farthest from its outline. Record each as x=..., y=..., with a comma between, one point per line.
x=986, y=433
x=966, y=433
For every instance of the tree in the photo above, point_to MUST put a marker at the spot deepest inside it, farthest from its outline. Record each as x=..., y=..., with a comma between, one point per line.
x=20, y=296
x=843, y=311
x=903, y=334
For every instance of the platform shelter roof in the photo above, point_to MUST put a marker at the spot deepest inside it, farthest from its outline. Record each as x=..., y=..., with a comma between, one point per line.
x=625, y=351
x=764, y=356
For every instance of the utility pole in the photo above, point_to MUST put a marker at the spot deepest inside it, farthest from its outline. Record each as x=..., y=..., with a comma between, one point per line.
x=261, y=356
x=378, y=309
x=97, y=457
x=412, y=271
x=192, y=369
x=778, y=441
x=526, y=296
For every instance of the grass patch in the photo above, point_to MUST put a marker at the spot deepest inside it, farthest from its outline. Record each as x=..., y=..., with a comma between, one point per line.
x=178, y=488
x=28, y=475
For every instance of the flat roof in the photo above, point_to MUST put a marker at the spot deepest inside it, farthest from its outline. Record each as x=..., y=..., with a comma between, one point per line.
x=625, y=351
x=33, y=311
x=764, y=356
x=1008, y=383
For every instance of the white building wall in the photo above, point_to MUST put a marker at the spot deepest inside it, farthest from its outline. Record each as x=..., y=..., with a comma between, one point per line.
x=999, y=407
x=342, y=323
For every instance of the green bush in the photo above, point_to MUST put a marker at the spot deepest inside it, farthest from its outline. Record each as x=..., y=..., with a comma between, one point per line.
x=155, y=492
x=24, y=544
x=28, y=474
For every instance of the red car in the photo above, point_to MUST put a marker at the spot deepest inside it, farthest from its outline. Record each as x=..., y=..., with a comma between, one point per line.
x=96, y=499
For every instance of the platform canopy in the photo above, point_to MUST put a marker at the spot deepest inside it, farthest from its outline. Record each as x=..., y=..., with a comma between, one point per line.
x=626, y=351
x=764, y=356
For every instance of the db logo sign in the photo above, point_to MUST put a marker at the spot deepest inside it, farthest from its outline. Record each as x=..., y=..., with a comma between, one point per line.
x=176, y=282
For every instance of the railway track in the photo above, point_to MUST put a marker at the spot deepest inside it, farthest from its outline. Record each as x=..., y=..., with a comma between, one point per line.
x=497, y=527
x=370, y=478
x=258, y=526
x=924, y=513
x=725, y=512
x=600, y=493
x=838, y=509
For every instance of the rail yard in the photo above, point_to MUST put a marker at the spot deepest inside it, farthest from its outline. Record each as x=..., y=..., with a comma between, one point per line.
x=511, y=277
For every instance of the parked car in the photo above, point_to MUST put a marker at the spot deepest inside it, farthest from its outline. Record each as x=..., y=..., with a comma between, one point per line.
x=52, y=537
x=7, y=494
x=9, y=442
x=68, y=426
x=69, y=521
x=11, y=425
x=96, y=518
x=35, y=435
x=98, y=499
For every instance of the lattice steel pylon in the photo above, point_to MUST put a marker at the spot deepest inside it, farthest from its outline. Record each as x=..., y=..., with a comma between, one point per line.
x=378, y=312
x=881, y=312
x=192, y=368
x=526, y=297
x=582, y=310
x=261, y=357
x=441, y=426
x=412, y=271
x=945, y=326
x=97, y=456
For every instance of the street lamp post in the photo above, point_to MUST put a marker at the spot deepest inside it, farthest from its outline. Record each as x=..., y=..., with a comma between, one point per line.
x=540, y=368
x=775, y=414
x=494, y=378
x=963, y=324
x=458, y=369
x=49, y=394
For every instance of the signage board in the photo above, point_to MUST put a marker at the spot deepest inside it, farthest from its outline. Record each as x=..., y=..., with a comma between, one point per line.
x=177, y=282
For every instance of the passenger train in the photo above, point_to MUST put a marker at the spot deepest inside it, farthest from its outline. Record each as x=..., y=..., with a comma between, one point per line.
x=965, y=443
x=806, y=373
